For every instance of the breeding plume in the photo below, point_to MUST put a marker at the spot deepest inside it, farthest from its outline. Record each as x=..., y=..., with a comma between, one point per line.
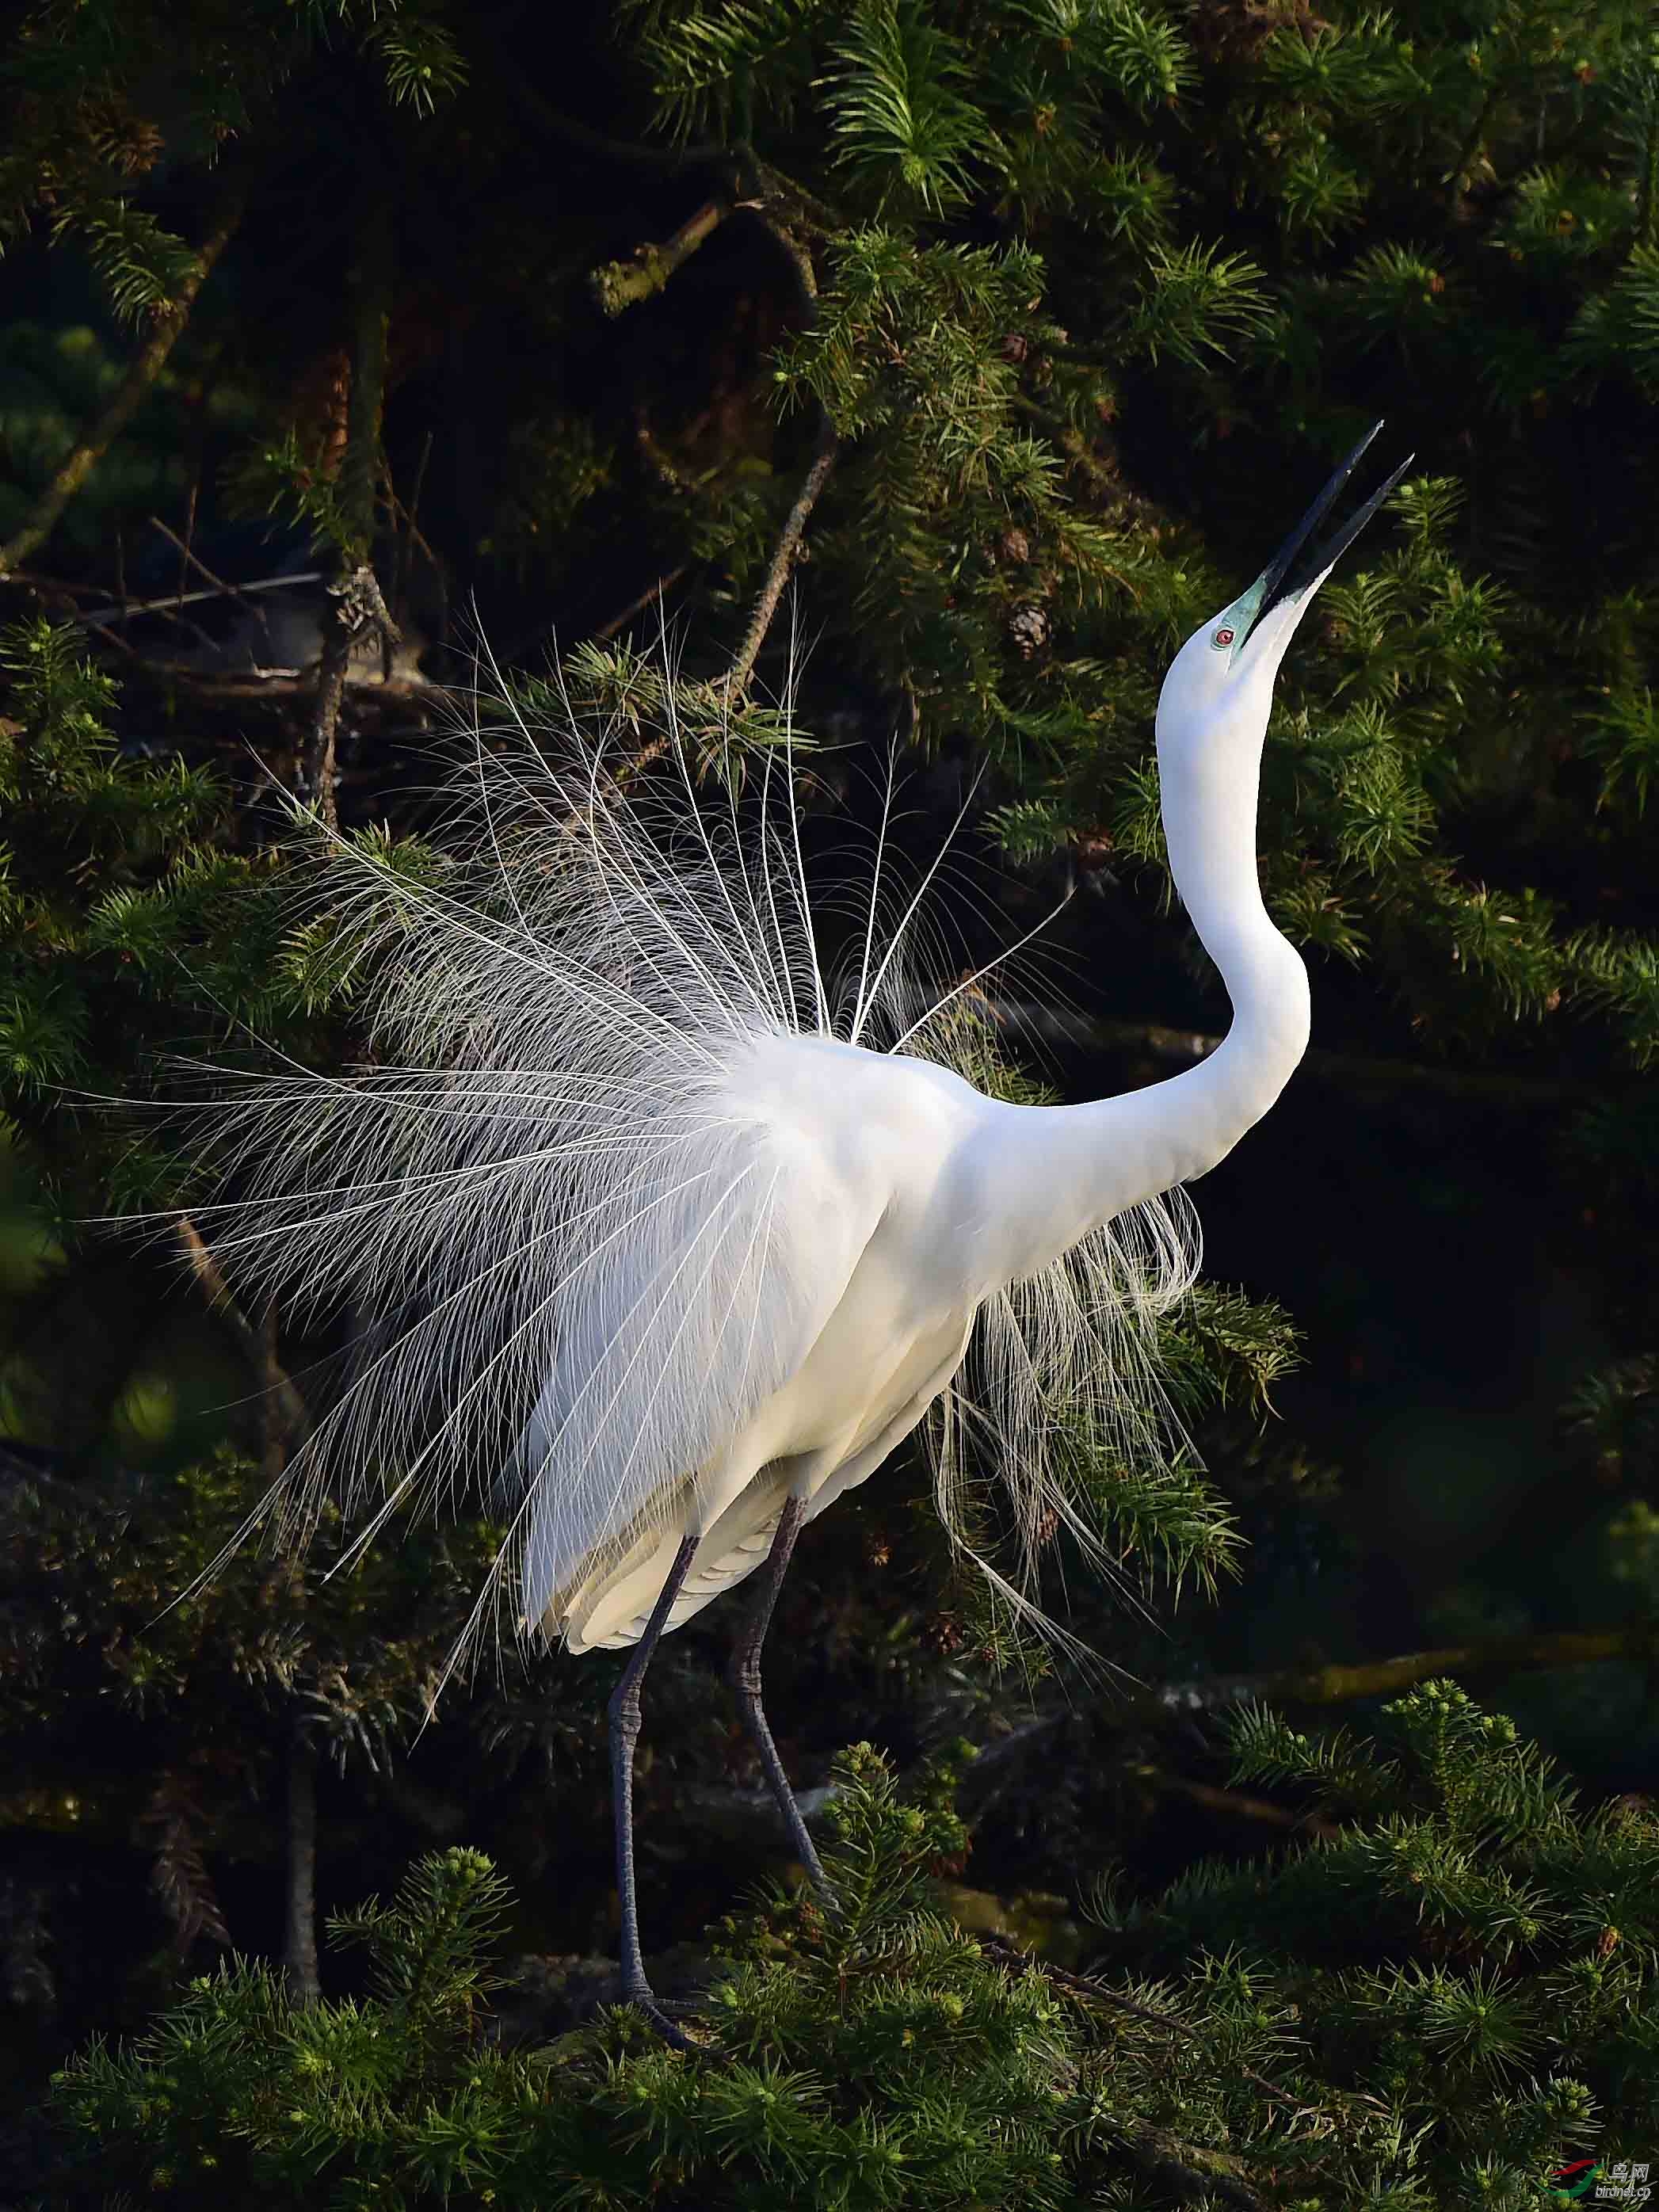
x=667, y=1238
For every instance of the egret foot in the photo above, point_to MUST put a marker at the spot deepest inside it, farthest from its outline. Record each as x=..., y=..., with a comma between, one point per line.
x=644, y=1999
x=743, y=1674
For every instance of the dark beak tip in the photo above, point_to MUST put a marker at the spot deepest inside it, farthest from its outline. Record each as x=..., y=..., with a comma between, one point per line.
x=1293, y=568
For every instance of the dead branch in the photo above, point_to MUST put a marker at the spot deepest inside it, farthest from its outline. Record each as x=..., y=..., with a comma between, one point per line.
x=124, y=402
x=619, y=285
x=1381, y=1678
x=824, y=460
x=357, y=596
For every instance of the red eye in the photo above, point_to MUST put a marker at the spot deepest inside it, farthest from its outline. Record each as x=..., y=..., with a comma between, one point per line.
x=1222, y=636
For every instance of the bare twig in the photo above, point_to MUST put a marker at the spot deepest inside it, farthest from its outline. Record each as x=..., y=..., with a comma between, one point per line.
x=620, y=285
x=1232, y=1802
x=48, y=588
x=110, y=637
x=824, y=460
x=495, y=36
x=357, y=595
x=124, y=607
x=783, y=559
x=195, y=561
x=300, y=1869
x=413, y=536
x=124, y=402
x=408, y=515
x=638, y=607
x=184, y=543
x=54, y=587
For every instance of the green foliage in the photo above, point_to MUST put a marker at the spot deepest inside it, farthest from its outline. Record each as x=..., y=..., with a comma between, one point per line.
x=422, y=61
x=1101, y=288
x=185, y=1666
x=901, y=126
x=1463, y=1948
x=1294, y=2049
x=52, y=384
x=125, y=926
x=105, y=94
x=979, y=528
x=143, y=267
x=137, y=1615
x=284, y=481
x=867, y=2054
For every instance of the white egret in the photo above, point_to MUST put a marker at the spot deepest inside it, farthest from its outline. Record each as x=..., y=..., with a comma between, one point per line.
x=641, y=1215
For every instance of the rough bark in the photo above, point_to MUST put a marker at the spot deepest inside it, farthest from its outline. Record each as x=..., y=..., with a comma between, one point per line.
x=300, y=1915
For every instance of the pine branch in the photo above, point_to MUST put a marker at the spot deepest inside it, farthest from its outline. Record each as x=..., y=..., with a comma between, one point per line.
x=141, y=376
x=1009, y=1954
x=1382, y=1678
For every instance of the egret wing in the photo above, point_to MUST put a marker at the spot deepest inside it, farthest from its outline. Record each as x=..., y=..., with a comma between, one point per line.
x=709, y=1280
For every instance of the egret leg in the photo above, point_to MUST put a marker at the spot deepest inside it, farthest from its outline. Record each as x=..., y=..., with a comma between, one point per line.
x=743, y=1674
x=624, y=1711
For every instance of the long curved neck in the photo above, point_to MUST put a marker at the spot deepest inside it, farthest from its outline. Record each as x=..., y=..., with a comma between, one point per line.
x=1055, y=1172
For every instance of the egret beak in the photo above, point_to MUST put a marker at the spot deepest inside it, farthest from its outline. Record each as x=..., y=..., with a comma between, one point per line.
x=1296, y=568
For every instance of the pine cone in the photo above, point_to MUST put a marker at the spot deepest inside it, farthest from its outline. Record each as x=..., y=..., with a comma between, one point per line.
x=1028, y=627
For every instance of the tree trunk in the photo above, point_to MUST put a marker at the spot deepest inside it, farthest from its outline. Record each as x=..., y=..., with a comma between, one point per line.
x=300, y=1934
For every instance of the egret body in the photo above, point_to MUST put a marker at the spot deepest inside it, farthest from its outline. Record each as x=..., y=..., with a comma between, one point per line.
x=643, y=1218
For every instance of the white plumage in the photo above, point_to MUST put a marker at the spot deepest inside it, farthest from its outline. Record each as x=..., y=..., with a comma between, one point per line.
x=667, y=1242
x=655, y=1227
x=648, y=1229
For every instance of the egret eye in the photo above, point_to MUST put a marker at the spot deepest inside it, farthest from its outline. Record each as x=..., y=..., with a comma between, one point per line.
x=1223, y=638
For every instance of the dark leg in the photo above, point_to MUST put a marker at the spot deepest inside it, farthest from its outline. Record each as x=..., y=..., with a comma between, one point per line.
x=744, y=1676
x=624, y=1734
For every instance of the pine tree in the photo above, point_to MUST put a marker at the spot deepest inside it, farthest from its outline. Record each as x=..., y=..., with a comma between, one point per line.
x=1434, y=2003
x=1022, y=330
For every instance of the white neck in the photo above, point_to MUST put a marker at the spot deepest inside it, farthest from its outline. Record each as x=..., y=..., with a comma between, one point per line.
x=1051, y=1174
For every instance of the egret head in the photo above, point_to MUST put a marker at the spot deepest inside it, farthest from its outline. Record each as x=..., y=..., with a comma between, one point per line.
x=1225, y=670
